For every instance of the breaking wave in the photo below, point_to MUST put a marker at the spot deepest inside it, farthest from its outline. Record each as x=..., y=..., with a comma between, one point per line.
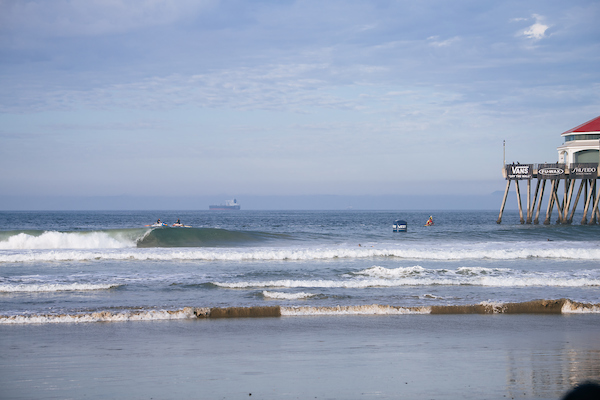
x=100, y=316
x=560, y=306
x=201, y=237
x=418, y=276
x=231, y=246
x=70, y=240
x=287, y=296
x=54, y=287
x=129, y=238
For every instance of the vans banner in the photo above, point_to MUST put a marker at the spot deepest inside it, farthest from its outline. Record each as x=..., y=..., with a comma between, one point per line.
x=519, y=171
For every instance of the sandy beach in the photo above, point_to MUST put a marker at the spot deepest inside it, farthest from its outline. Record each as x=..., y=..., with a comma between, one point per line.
x=323, y=357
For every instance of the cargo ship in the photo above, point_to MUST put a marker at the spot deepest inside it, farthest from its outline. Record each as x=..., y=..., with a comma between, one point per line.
x=229, y=205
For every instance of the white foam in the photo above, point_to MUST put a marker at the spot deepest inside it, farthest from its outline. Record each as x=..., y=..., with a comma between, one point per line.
x=578, y=308
x=289, y=283
x=99, y=245
x=482, y=270
x=432, y=296
x=373, y=309
x=65, y=240
x=429, y=277
x=496, y=306
x=377, y=271
x=287, y=296
x=54, y=287
x=103, y=316
x=535, y=280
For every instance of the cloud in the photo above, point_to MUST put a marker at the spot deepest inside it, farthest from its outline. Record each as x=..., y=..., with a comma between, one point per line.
x=433, y=41
x=145, y=125
x=92, y=17
x=536, y=31
x=286, y=87
x=367, y=27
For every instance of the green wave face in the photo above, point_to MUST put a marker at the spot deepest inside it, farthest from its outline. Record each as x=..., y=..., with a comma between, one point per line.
x=200, y=237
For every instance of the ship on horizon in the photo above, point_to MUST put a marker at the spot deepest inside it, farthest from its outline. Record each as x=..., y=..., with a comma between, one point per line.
x=229, y=205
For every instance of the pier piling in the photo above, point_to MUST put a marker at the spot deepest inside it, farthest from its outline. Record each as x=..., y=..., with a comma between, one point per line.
x=519, y=202
x=550, y=203
x=503, y=201
x=595, y=210
x=583, y=183
x=590, y=193
x=537, y=213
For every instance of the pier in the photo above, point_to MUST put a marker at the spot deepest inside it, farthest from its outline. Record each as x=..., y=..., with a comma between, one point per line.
x=562, y=181
x=576, y=170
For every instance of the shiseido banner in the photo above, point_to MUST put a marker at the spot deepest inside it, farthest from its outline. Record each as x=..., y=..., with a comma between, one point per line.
x=584, y=170
x=519, y=171
x=551, y=171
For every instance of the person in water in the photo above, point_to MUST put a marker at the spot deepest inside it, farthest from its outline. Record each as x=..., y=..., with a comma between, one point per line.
x=178, y=222
x=158, y=221
x=429, y=221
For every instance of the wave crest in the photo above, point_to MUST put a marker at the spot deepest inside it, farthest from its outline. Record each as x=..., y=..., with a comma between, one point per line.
x=66, y=240
x=418, y=276
x=287, y=296
x=101, y=316
x=54, y=287
x=103, y=246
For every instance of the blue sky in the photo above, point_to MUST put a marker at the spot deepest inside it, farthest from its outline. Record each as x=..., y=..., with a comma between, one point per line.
x=108, y=97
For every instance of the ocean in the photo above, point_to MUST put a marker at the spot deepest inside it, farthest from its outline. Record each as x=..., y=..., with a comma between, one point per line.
x=467, y=307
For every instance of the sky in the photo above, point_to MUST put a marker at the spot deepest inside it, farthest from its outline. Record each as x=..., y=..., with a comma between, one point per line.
x=283, y=98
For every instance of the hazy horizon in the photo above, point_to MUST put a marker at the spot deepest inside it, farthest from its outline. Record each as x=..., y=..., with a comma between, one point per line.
x=490, y=202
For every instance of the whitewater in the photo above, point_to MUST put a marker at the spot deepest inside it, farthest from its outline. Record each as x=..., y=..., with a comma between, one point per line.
x=80, y=265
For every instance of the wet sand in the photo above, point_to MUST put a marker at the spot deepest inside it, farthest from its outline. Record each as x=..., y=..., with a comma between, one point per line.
x=323, y=357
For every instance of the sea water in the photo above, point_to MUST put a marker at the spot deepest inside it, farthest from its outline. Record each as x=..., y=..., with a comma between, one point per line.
x=63, y=273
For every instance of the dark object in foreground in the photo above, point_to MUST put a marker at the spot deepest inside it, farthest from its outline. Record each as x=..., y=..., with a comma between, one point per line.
x=585, y=391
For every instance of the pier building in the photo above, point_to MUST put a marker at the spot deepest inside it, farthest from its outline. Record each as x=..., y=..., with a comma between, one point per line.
x=582, y=144
x=577, y=166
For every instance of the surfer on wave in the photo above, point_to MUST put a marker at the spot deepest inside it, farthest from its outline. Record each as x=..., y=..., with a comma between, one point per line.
x=178, y=223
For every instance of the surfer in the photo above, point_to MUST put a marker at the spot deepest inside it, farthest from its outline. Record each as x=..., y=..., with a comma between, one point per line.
x=158, y=223
x=429, y=221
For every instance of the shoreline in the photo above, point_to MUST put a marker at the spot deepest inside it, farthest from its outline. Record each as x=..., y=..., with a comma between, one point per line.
x=560, y=306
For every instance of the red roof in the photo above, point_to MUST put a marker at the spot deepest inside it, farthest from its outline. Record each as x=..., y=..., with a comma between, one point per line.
x=592, y=125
